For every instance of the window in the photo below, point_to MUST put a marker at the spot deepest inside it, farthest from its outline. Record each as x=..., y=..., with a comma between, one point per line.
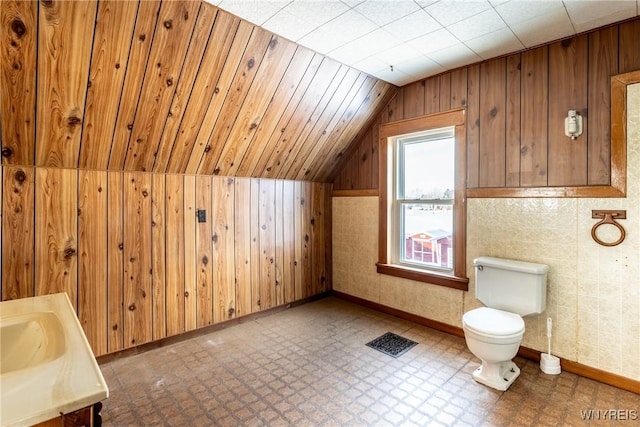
x=422, y=211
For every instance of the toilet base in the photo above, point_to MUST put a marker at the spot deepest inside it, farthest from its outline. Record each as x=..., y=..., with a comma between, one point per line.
x=497, y=375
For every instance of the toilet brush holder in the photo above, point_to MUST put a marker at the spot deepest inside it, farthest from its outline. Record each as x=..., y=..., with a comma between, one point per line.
x=549, y=364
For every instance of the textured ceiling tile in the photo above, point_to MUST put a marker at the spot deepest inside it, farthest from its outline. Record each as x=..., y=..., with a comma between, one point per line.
x=335, y=33
x=288, y=25
x=372, y=43
x=382, y=12
x=586, y=15
x=557, y=27
x=448, y=12
x=413, y=25
x=254, y=11
x=454, y=56
x=316, y=13
x=478, y=25
x=419, y=67
x=371, y=65
x=386, y=74
x=396, y=54
x=495, y=44
x=433, y=41
x=516, y=11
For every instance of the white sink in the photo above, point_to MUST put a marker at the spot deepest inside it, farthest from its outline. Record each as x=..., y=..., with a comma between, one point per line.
x=47, y=367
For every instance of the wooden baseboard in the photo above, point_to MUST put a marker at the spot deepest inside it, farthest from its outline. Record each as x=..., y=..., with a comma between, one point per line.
x=163, y=342
x=527, y=353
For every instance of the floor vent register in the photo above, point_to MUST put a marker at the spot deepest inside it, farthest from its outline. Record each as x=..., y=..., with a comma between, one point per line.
x=391, y=344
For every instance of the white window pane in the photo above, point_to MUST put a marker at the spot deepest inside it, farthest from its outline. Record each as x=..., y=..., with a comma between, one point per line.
x=428, y=169
x=427, y=237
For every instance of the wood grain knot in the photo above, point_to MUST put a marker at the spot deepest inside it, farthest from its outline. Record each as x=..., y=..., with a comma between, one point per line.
x=306, y=238
x=231, y=311
x=295, y=263
x=115, y=327
x=117, y=65
x=7, y=152
x=132, y=307
x=216, y=171
x=18, y=27
x=216, y=90
x=145, y=193
x=253, y=126
x=313, y=221
x=205, y=260
x=169, y=82
x=74, y=121
x=273, y=43
x=566, y=42
x=168, y=24
x=68, y=253
x=121, y=246
x=47, y=3
x=186, y=294
x=494, y=112
x=207, y=148
x=251, y=63
x=142, y=37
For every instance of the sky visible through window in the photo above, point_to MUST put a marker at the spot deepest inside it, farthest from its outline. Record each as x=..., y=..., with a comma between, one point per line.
x=429, y=174
x=429, y=171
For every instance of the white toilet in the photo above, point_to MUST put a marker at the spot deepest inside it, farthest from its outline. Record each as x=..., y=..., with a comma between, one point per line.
x=509, y=289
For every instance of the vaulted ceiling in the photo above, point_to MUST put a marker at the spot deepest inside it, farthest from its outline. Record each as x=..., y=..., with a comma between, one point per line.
x=172, y=87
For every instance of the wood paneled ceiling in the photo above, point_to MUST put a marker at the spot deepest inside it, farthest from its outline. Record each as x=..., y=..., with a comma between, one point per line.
x=172, y=87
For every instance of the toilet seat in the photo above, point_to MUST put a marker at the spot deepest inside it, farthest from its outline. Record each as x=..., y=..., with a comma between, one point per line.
x=493, y=323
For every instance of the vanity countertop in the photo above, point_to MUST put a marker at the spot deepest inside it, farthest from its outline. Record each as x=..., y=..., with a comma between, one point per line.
x=47, y=367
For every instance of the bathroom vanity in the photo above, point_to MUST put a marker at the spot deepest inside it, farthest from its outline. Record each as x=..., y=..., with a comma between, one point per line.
x=48, y=373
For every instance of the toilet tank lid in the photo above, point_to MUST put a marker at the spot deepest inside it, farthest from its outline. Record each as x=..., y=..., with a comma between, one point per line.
x=510, y=264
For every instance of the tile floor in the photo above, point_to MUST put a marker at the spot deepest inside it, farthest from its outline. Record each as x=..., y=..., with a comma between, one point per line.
x=309, y=366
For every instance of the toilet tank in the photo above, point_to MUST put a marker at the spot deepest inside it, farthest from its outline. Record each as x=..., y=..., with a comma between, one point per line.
x=516, y=286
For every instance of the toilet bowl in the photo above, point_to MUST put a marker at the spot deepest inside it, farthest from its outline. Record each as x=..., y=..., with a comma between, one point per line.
x=494, y=337
x=509, y=290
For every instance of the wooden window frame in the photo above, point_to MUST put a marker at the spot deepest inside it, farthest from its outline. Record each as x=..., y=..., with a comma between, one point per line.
x=388, y=132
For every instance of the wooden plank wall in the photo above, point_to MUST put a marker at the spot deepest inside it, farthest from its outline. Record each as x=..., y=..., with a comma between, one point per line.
x=138, y=266
x=171, y=87
x=516, y=107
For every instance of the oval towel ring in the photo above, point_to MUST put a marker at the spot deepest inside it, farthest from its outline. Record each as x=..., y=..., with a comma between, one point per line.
x=608, y=217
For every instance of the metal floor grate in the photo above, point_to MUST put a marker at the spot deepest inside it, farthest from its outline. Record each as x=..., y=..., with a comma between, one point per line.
x=391, y=344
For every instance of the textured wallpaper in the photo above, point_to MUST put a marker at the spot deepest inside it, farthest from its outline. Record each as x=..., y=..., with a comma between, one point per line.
x=593, y=292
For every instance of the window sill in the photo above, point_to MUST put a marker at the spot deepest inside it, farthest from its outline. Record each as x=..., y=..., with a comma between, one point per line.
x=461, y=283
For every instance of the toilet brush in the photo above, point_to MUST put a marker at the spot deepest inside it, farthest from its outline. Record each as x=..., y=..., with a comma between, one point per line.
x=548, y=363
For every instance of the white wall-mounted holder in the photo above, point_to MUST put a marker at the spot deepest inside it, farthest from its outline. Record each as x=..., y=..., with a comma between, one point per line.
x=573, y=124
